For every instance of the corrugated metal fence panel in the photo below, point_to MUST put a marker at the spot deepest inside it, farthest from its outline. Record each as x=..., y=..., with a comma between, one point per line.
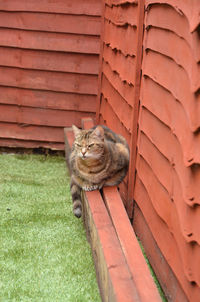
x=48, y=69
x=168, y=164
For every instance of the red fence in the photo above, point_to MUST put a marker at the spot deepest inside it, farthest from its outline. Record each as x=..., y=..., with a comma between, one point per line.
x=48, y=69
x=166, y=186
x=149, y=91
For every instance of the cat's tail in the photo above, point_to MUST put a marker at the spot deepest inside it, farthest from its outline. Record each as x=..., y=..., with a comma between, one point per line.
x=76, y=198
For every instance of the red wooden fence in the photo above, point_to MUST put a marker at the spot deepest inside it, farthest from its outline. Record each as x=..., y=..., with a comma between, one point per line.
x=167, y=187
x=149, y=67
x=166, y=137
x=118, y=103
x=48, y=69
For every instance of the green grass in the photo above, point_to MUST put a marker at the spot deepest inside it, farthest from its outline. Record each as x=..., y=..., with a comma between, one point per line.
x=44, y=254
x=160, y=290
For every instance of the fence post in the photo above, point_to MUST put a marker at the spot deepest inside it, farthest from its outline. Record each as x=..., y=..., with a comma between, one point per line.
x=136, y=104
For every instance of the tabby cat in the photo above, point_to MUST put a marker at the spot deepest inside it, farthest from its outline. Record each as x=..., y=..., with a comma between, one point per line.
x=99, y=157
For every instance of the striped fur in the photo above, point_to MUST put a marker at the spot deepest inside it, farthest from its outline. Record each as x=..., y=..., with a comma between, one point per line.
x=99, y=157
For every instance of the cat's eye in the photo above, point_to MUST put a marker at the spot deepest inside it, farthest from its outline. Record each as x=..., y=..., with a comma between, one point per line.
x=77, y=145
x=90, y=145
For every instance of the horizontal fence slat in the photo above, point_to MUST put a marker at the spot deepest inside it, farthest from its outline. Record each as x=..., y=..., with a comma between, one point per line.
x=45, y=80
x=49, y=60
x=16, y=143
x=89, y=7
x=86, y=25
x=31, y=133
x=49, y=41
x=40, y=116
x=47, y=99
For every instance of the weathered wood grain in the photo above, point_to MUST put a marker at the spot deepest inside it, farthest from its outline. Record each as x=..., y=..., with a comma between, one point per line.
x=49, y=41
x=59, y=23
x=89, y=7
x=49, y=60
x=46, y=80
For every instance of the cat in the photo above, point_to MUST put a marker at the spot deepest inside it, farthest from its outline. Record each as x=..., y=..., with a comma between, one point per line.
x=99, y=157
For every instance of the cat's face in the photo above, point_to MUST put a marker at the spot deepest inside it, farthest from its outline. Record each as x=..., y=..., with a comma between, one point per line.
x=89, y=144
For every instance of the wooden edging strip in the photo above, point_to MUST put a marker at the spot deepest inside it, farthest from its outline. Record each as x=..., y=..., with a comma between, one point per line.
x=141, y=275
x=114, y=278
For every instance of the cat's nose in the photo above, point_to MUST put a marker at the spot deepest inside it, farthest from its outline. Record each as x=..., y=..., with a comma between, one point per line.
x=83, y=151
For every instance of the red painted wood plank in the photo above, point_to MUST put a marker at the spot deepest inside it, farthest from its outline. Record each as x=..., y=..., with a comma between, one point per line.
x=180, y=219
x=50, y=61
x=122, y=14
x=136, y=262
x=157, y=193
x=155, y=131
x=40, y=116
x=177, y=49
x=168, y=177
x=119, y=2
x=166, y=277
x=100, y=63
x=31, y=133
x=120, y=37
x=49, y=41
x=60, y=23
x=173, y=78
x=135, y=105
x=112, y=121
x=168, y=18
x=123, y=88
x=156, y=160
x=121, y=108
x=165, y=240
x=123, y=65
x=46, y=80
x=122, y=283
x=47, y=99
x=162, y=104
x=189, y=8
x=15, y=143
x=89, y=7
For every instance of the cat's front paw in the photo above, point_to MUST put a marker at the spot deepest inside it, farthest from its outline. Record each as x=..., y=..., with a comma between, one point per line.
x=90, y=188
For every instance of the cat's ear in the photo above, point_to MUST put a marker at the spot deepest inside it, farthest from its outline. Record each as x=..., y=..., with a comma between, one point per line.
x=99, y=132
x=76, y=130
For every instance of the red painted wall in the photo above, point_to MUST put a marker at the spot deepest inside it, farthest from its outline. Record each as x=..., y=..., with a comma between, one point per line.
x=48, y=69
x=164, y=178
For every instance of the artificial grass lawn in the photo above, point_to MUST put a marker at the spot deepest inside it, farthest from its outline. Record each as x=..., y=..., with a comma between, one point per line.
x=44, y=254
